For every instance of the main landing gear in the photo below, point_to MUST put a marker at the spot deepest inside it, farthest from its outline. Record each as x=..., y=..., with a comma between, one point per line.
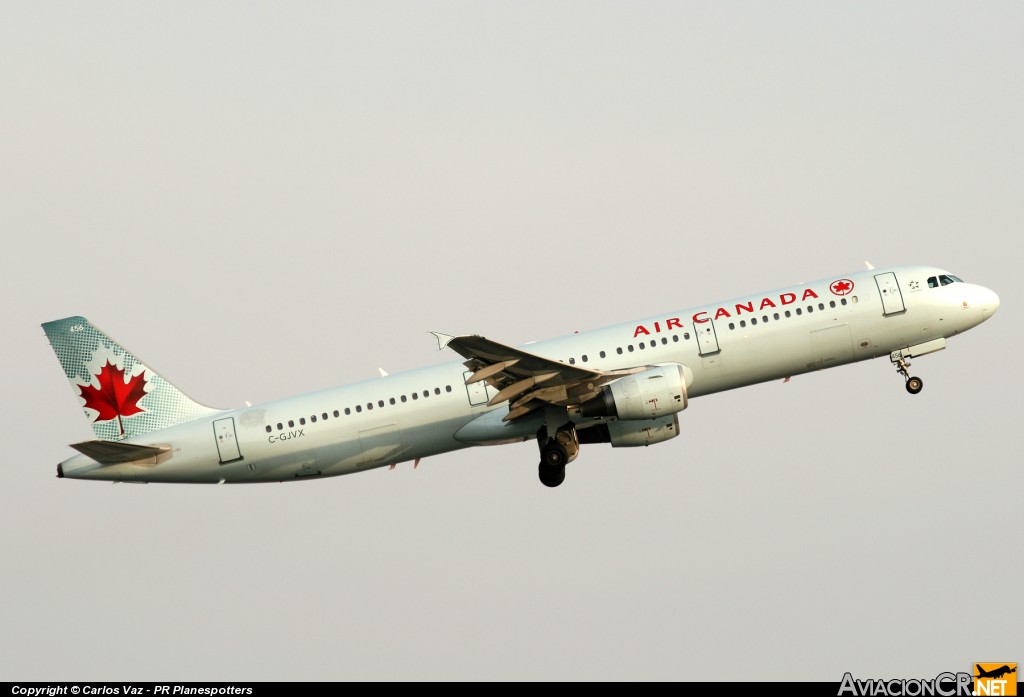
x=914, y=384
x=556, y=453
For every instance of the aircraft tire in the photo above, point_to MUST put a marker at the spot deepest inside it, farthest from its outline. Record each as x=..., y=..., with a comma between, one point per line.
x=551, y=476
x=554, y=454
x=915, y=385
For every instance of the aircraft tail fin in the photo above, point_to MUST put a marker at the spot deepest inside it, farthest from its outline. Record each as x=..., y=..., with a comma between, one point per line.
x=121, y=396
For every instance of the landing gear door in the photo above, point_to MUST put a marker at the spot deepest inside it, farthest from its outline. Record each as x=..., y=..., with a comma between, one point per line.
x=227, y=440
x=889, y=290
x=707, y=339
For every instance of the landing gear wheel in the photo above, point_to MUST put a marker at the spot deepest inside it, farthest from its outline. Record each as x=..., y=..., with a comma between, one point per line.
x=554, y=455
x=914, y=385
x=551, y=476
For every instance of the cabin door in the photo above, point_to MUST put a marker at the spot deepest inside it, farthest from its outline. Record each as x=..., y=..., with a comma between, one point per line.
x=889, y=289
x=227, y=440
x=707, y=339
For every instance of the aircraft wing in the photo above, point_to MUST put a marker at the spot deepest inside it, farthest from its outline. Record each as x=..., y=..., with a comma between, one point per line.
x=526, y=380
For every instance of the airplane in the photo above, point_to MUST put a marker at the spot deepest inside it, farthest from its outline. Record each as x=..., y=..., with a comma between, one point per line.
x=625, y=385
x=995, y=673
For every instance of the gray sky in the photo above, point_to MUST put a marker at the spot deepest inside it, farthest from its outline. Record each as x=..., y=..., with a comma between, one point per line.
x=263, y=199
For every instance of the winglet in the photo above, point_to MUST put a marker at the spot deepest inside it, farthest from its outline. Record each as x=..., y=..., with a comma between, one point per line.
x=869, y=265
x=442, y=340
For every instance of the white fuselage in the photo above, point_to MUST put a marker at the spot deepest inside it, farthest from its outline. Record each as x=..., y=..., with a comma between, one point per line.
x=416, y=414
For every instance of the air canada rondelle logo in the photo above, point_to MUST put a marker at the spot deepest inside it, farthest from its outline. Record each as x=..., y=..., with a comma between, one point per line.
x=843, y=286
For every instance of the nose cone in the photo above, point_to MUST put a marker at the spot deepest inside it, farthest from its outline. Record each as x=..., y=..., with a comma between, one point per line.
x=989, y=302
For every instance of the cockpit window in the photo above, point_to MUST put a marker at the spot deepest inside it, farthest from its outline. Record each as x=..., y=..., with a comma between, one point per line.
x=943, y=280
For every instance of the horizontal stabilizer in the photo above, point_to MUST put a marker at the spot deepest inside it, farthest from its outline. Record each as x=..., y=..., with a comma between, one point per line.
x=114, y=453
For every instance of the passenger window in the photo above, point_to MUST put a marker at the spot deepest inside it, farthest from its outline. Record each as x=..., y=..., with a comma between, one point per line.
x=302, y=421
x=584, y=358
x=602, y=354
x=391, y=401
x=664, y=341
x=415, y=396
x=572, y=361
x=842, y=301
x=313, y=418
x=821, y=306
x=348, y=411
x=280, y=427
x=426, y=393
x=380, y=403
x=324, y=415
x=764, y=318
x=732, y=325
x=619, y=350
x=359, y=409
x=402, y=398
x=788, y=314
x=831, y=303
x=630, y=348
x=776, y=315
x=743, y=322
x=437, y=390
x=447, y=388
x=810, y=308
x=291, y=424
x=269, y=429
x=642, y=346
x=799, y=311
x=753, y=321
x=369, y=406
x=686, y=335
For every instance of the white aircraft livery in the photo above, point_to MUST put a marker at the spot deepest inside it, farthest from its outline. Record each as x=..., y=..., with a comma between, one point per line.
x=624, y=385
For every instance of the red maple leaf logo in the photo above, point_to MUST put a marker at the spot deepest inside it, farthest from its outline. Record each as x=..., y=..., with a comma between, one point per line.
x=115, y=397
x=841, y=287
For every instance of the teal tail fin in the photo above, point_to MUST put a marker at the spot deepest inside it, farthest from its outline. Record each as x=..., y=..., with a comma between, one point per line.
x=121, y=396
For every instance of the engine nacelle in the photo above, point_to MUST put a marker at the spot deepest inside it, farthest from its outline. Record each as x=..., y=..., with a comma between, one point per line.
x=631, y=434
x=654, y=393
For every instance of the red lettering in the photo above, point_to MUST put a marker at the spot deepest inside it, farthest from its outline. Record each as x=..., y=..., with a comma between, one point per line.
x=673, y=323
x=749, y=307
x=787, y=298
x=657, y=327
x=698, y=319
x=808, y=293
x=641, y=329
x=722, y=312
x=767, y=302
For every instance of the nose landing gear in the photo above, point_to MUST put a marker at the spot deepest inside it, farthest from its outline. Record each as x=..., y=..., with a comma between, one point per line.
x=914, y=384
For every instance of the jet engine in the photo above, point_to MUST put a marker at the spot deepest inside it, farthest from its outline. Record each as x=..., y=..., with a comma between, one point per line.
x=631, y=434
x=651, y=394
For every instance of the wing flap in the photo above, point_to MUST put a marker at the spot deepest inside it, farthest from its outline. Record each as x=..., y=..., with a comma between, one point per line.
x=484, y=354
x=526, y=380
